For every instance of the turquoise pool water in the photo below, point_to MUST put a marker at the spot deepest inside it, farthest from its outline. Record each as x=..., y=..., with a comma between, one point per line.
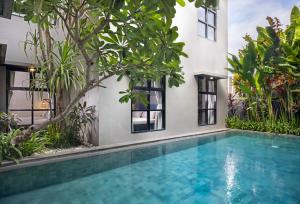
x=233, y=167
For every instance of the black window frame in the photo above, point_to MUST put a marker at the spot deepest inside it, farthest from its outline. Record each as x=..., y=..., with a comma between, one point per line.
x=6, y=8
x=1, y=8
x=207, y=93
x=12, y=68
x=148, y=88
x=207, y=25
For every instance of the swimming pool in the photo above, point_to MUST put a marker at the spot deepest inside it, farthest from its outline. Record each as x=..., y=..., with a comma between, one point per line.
x=230, y=167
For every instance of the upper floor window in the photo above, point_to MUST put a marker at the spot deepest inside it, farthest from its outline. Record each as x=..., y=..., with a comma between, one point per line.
x=1, y=8
x=6, y=8
x=149, y=116
x=207, y=23
x=207, y=100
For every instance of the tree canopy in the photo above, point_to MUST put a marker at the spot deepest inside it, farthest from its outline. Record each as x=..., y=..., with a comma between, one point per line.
x=102, y=38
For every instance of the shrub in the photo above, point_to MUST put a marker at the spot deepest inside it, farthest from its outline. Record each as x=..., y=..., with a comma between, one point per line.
x=72, y=131
x=9, y=151
x=36, y=144
x=8, y=122
x=278, y=126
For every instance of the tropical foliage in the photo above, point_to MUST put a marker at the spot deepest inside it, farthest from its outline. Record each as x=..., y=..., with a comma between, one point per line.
x=98, y=40
x=266, y=72
x=68, y=133
x=279, y=126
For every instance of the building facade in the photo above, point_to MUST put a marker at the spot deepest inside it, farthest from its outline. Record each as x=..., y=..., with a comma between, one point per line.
x=198, y=105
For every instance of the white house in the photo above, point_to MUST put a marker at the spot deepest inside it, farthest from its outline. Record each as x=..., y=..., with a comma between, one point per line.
x=199, y=105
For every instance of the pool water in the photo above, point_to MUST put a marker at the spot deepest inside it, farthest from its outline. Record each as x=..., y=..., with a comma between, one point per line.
x=238, y=168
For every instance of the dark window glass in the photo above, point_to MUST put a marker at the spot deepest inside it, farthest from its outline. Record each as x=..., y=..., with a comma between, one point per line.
x=207, y=23
x=31, y=105
x=1, y=7
x=207, y=100
x=149, y=116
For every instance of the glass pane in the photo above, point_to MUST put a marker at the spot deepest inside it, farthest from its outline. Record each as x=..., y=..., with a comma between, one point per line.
x=138, y=104
x=210, y=33
x=142, y=84
x=19, y=99
x=201, y=14
x=41, y=116
x=19, y=79
x=202, y=117
x=39, y=82
x=24, y=116
x=202, y=101
x=211, y=117
x=41, y=100
x=156, y=120
x=212, y=99
x=201, y=29
x=156, y=100
x=139, y=121
x=202, y=84
x=212, y=86
x=157, y=84
x=211, y=18
x=1, y=7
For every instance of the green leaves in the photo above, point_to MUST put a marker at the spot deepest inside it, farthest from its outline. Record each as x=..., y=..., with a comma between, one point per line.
x=295, y=15
x=267, y=70
x=133, y=38
x=181, y=2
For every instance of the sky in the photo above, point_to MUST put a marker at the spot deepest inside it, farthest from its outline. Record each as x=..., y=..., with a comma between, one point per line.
x=246, y=15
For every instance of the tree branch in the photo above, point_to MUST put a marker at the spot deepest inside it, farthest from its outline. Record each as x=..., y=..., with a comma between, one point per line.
x=96, y=31
x=34, y=128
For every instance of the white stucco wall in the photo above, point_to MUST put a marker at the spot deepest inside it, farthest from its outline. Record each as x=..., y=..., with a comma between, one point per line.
x=181, y=103
x=13, y=33
x=114, y=119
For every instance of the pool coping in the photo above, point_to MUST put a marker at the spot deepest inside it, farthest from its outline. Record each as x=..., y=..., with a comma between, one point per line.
x=93, y=151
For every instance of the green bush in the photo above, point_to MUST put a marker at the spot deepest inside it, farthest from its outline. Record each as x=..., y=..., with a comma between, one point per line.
x=8, y=122
x=58, y=137
x=9, y=151
x=278, y=126
x=36, y=144
x=70, y=132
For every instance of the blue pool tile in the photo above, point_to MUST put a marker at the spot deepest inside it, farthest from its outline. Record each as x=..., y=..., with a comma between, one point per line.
x=231, y=168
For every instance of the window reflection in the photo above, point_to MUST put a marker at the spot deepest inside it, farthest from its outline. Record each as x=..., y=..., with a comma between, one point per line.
x=211, y=18
x=29, y=104
x=207, y=100
x=201, y=14
x=19, y=79
x=207, y=23
x=212, y=99
x=156, y=120
x=24, y=116
x=19, y=99
x=210, y=33
x=155, y=100
x=149, y=116
x=139, y=121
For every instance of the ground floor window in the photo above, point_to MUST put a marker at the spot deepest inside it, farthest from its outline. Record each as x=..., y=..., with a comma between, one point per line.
x=207, y=100
x=31, y=104
x=149, y=116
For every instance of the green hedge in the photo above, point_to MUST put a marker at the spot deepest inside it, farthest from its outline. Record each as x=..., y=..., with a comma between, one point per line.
x=266, y=126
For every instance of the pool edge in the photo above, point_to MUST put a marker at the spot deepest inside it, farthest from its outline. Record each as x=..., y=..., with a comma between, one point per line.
x=93, y=151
